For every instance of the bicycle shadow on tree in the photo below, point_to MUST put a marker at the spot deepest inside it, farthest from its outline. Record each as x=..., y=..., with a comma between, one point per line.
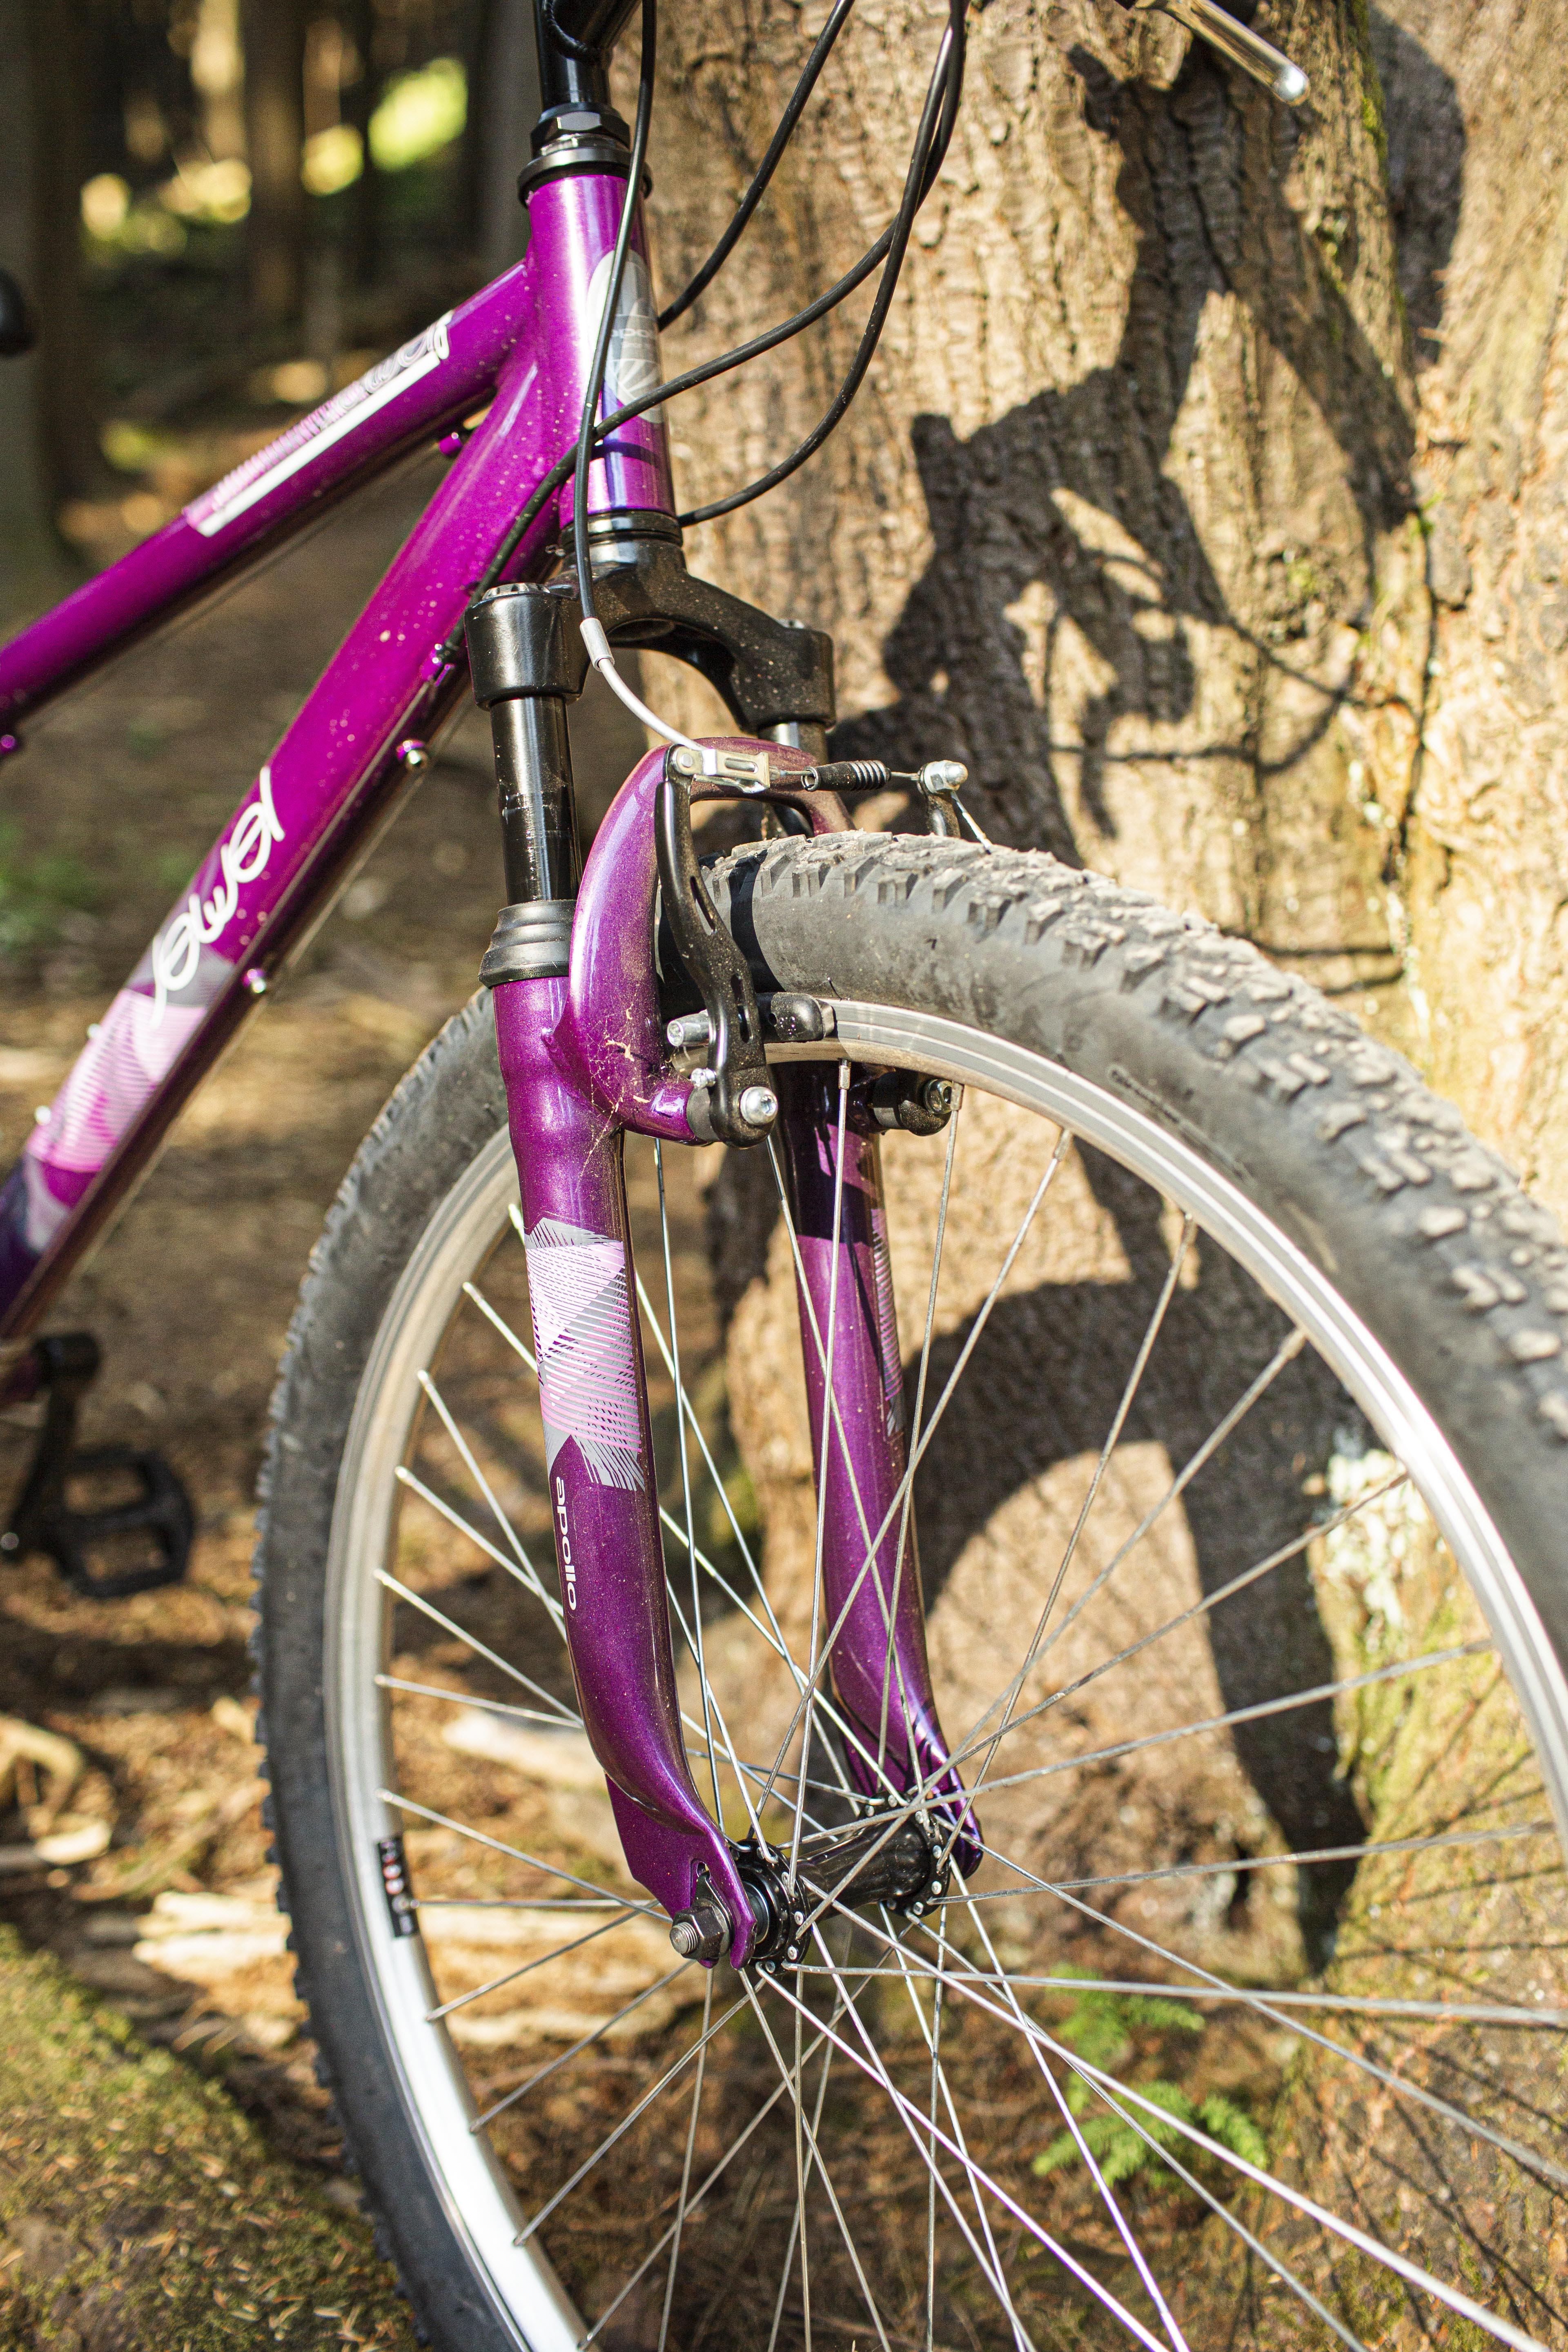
x=1043, y=1386
x=1062, y=520
x=1062, y=523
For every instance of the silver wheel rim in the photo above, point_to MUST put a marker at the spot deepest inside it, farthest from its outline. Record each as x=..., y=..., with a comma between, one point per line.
x=479, y=2202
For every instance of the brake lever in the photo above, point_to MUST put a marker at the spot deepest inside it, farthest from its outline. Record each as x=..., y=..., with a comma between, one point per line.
x=1234, y=40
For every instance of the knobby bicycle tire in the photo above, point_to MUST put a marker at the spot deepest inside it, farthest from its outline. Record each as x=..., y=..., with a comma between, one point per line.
x=1353, y=1202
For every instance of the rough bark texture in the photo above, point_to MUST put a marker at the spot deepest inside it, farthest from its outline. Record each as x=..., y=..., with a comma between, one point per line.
x=1124, y=516
x=1206, y=498
x=1483, y=874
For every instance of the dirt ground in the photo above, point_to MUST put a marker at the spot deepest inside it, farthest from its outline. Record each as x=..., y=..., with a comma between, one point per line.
x=173, y=1924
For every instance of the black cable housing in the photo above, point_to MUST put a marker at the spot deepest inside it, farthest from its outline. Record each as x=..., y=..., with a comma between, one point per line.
x=937, y=115
x=565, y=466
x=821, y=51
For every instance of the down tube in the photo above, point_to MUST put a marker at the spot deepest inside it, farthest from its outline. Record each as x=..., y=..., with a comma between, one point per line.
x=880, y=1672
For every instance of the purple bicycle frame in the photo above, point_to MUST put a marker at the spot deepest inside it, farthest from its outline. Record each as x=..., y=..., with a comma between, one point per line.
x=583, y=1058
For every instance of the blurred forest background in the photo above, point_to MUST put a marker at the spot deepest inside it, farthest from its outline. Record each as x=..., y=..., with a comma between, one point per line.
x=221, y=213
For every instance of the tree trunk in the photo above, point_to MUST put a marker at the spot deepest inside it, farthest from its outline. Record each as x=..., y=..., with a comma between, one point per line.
x=31, y=571
x=1132, y=473
x=359, y=105
x=275, y=137
x=1204, y=499
x=1480, y=840
x=65, y=411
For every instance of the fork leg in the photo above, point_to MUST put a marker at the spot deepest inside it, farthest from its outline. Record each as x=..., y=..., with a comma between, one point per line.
x=599, y=1450
x=882, y=1674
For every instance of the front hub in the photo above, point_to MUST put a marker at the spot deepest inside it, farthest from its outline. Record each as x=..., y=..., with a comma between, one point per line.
x=886, y=1858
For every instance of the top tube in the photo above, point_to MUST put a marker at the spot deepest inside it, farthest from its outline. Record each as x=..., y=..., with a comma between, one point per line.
x=549, y=304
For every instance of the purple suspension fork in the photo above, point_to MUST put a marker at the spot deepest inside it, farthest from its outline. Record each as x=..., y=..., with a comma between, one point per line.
x=872, y=1603
x=599, y=1451
x=583, y=1060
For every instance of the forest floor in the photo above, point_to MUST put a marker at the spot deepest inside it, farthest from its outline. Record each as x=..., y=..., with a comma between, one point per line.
x=199, y=2197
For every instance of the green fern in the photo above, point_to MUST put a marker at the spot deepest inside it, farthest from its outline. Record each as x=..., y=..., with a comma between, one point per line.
x=1099, y=2027
x=1124, y=2140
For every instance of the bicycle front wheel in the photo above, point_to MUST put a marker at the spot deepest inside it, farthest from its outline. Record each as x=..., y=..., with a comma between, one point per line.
x=1234, y=1376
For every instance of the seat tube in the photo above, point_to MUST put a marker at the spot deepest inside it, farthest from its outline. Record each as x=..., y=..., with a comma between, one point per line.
x=882, y=1674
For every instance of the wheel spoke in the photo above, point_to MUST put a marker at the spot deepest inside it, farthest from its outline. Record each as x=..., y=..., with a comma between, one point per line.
x=1119, y=2220
x=804, y=2130
x=943, y=2084
x=564, y=1714
x=1254, y=1714
x=694, y=1631
x=935, y=2077
x=1445, y=2012
x=1116, y=2092
x=917, y=1451
x=825, y=1456
x=1263, y=2006
x=454, y=1518
x=713, y=2177
x=529, y=1573
x=1201, y=1607
x=1490, y=2323
x=1130, y=1390
x=918, y=1408
x=525, y=1968
x=686, y=2162
x=922, y=2130
x=469, y=1699
x=499, y=1845
x=1248, y=1861
x=1284, y=1354
x=585, y=2043
x=612, y=2138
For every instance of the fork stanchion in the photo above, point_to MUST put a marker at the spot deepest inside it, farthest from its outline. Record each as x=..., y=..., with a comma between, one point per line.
x=524, y=673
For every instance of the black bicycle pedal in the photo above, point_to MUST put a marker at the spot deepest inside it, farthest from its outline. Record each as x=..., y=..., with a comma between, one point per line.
x=42, y=1518
x=160, y=1511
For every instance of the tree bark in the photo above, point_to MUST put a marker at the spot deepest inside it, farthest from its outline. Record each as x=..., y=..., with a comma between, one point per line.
x=1205, y=499
x=1131, y=475
x=1478, y=855
x=275, y=136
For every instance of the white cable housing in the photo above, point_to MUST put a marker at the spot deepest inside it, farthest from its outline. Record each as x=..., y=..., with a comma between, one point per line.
x=603, y=661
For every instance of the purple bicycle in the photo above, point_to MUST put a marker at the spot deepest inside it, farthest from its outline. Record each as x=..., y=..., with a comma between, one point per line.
x=724, y=1920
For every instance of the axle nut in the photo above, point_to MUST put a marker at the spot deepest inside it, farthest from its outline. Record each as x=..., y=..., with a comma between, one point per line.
x=759, y=1106
x=704, y=1932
